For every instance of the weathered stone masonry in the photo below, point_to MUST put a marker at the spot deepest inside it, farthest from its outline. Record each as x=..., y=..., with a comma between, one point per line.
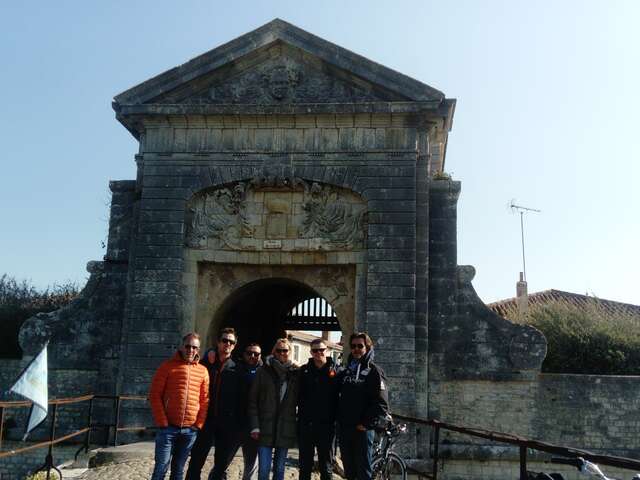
x=282, y=163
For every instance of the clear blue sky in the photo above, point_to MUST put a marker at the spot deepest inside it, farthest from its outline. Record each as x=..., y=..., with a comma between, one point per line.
x=547, y=114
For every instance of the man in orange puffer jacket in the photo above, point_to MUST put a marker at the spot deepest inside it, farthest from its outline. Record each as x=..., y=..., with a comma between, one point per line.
x=179, y=398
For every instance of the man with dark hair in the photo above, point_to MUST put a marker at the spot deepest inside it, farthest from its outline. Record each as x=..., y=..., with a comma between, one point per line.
x=223, y=425
x=363, y=405
x=179, y=398
x=317, y=403
x=249, y=366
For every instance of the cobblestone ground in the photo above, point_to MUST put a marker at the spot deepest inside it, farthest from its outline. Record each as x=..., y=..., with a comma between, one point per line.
x=141, y=469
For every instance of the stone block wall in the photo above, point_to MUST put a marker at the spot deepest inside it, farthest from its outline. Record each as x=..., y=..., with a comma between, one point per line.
x=510, y=470
x=9, y=372
x=373, y=155
x=466, y=339
x=62, y=384
x=19, y=466
x=281, y=133
x=484, y=373
x=590, y=412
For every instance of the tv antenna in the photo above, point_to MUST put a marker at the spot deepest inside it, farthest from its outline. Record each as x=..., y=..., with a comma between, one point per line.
x=522, y=210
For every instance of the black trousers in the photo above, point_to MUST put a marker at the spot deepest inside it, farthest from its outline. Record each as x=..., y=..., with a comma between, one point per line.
x=356, y=452
x=227, y=443
x=312, y=437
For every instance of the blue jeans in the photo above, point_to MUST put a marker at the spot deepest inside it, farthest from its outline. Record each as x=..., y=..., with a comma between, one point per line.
x=265, y=455
x=173, y=445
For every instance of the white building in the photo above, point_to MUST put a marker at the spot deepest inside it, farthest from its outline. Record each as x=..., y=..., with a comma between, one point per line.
x=301, y=344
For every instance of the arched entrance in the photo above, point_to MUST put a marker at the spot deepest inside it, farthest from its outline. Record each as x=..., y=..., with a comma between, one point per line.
x=257, y=299
x=261, y=311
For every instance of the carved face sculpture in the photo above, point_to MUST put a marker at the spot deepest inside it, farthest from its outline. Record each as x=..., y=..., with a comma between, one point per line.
x=281, y=80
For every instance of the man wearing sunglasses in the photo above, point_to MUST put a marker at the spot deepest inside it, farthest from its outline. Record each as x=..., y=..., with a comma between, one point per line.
x=179, y=398
x=225, y=416
x=249, y=366
x=317, y=403
x=363, y=405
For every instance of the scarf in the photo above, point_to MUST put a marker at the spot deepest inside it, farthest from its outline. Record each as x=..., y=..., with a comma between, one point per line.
x=282, y=371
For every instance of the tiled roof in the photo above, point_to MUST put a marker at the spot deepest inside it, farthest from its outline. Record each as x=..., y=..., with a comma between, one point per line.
x=508, y=308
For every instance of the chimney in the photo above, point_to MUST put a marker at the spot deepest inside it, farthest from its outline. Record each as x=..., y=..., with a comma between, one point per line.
x=325, y=335
x=522, y=297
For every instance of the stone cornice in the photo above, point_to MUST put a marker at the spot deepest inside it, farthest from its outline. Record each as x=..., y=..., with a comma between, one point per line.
x=442, y=108
x=133, y=116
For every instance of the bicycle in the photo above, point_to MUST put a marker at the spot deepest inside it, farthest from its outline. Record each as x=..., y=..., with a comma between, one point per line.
x=387, y=464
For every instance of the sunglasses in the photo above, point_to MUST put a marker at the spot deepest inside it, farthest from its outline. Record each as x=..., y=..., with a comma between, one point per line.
x=282, y=350
x=317, y=350
x=357, y=346
x=191, y=347
x=228, y=340
x=252, y=354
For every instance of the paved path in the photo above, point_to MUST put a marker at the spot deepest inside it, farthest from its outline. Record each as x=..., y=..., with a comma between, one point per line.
x=135, y=462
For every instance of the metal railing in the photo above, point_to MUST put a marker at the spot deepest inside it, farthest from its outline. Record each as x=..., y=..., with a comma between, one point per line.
x=89, y=427
x=113, y=428
x=524, y=444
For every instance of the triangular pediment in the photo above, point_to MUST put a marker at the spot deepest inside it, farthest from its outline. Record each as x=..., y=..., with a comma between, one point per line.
x=278, y=74
x=278, y=64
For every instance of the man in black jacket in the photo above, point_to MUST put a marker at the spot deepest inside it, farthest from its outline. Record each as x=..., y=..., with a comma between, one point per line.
x=224, y=418
x=249, y=366
x=317, y=403
x=363, y=405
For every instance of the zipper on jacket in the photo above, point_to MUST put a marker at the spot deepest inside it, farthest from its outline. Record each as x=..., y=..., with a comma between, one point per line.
x=186, y=397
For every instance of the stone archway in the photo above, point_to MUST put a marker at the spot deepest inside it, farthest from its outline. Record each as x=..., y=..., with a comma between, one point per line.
x=255, y=298
x=257, y=310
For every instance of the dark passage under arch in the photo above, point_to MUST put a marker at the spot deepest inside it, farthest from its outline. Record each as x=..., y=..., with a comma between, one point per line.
x=261, y=312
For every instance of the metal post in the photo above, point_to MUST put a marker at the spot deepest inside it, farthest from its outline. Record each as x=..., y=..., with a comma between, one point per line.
x=436, y=442
x=52, y=436
x=117, y=422
x=523, y=462
x=87, y=439
x=524, y=264
x=1, y=425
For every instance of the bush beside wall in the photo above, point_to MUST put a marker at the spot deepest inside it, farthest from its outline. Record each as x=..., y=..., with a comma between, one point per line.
x=587, y=340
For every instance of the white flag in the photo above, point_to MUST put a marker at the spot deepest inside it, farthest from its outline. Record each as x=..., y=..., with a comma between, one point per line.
x=32, y=384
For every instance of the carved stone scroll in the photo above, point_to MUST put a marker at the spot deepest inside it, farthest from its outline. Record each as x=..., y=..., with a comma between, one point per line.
x=328, y=217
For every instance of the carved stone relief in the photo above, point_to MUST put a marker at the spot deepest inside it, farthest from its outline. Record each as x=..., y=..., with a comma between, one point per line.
x=281, y=80
x=220, y=214
x=326, y=216
x=275, y=211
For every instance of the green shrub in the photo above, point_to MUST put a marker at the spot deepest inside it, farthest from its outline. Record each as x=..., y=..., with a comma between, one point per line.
x=21, y=300
x=587, y=339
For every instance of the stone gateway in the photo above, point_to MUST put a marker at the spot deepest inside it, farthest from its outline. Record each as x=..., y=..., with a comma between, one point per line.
x=278, y=168
x=273, y=169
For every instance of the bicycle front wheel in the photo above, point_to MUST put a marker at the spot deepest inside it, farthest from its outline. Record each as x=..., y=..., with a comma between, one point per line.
x=390, y=468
